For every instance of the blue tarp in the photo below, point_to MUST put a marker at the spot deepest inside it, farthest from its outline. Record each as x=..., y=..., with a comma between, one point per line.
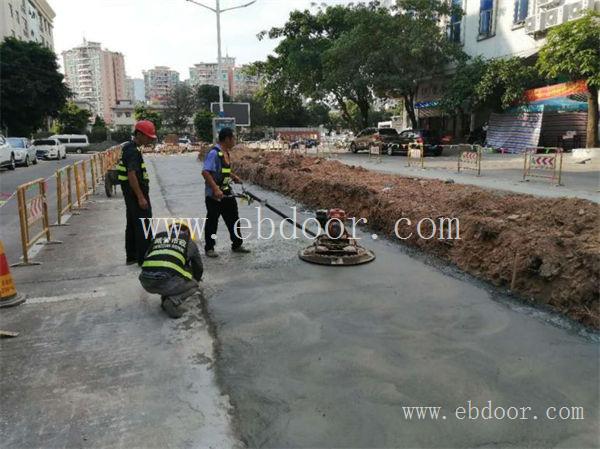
x=552, y=104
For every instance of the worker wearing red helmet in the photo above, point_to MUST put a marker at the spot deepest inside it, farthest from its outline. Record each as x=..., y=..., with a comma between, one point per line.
x=134, y=183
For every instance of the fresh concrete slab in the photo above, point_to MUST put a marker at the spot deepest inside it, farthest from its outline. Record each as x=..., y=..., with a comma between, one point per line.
x=316, y=356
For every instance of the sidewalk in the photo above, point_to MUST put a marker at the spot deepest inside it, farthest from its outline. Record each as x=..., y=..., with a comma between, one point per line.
x=97, y=363
x=499, y=172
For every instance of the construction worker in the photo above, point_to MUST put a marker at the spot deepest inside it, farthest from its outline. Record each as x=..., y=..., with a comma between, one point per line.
x=219, y=197
x=172, y=268
x=134, y=183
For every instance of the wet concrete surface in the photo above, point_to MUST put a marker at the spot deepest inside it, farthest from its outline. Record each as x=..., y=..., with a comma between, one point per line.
x=97, y=364
x=317, y=356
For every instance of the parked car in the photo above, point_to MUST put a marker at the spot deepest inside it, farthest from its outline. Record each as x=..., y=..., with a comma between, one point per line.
x=24, y=151
x=74, y=143
x=385, y=137
x=308, y=143
x=184, y=142
x=431, y=140
x=7, y=154
x=49, y=149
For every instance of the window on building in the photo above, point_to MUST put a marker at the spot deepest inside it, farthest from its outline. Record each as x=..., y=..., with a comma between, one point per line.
x=486, y=18
x=10, y=9
x=128, y=114
x=521, y=9
x=454, y=31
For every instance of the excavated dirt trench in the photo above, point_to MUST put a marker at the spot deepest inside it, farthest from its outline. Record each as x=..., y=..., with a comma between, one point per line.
x=551, y=246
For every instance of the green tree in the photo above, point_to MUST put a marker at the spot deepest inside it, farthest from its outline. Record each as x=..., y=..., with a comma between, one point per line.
x=504, y=82
x=573, y=50
x=180, y=107
x=72, y=119
x=141, y=112
x=99, y=130
x=206, y=94
x=411, y=47
x=320, y=57
x=32, y=87
x=99, y=123
x=203, y=125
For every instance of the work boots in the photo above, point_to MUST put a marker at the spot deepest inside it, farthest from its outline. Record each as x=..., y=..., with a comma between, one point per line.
x=173, y=310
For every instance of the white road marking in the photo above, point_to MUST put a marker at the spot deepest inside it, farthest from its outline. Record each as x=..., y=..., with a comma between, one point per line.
x=70, y=297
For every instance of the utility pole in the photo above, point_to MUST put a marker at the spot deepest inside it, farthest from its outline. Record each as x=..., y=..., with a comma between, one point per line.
x=217, y=10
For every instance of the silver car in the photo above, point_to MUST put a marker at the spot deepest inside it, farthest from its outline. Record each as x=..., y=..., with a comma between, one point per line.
x=23, y=150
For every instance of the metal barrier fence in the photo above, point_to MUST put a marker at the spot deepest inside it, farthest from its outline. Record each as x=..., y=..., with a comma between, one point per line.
x=33, y=210
x=375, y=152
x=543, y=162
x=64, y=194
x=469, y=158
x=415, y=155
x=81, y=189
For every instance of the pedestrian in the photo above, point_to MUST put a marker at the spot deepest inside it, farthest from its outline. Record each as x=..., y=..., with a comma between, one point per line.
x=219, y=196
x=134, y=184
x=172, y=268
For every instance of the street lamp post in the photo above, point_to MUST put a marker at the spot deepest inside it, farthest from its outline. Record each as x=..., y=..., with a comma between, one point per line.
x=217, y=10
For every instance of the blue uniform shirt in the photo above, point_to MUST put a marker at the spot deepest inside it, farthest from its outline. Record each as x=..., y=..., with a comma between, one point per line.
x=212, y=164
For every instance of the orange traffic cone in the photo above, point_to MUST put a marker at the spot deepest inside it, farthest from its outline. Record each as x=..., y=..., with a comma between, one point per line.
x=8, y=293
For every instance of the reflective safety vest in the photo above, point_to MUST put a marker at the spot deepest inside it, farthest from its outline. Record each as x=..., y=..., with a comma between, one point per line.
x=122, y=170
x=225, y=184
x=168, y=254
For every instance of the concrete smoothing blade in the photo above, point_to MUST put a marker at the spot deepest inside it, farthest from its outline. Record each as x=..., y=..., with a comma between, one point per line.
x=362, y=256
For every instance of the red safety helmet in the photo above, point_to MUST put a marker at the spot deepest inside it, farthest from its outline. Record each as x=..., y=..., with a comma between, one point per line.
x=146, y=127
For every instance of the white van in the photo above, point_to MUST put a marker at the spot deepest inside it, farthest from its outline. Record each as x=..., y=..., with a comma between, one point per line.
x=77, y=143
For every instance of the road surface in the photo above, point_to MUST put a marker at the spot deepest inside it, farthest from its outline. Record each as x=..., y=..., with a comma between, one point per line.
x=316, y=356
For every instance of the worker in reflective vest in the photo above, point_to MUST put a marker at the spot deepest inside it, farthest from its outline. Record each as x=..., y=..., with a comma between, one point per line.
x=133, y=177
x=218, y=195
x=172, y=268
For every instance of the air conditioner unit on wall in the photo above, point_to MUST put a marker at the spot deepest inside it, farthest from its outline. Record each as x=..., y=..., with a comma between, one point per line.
x=545, y=4
x=573, y=11
x=532, y=24
x=551, y=18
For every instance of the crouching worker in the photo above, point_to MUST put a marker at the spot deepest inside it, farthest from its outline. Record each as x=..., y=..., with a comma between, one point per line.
x=172, y=268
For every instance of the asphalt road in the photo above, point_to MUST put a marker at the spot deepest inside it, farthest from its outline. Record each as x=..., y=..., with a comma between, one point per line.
x=9, y=181
x=315, y=356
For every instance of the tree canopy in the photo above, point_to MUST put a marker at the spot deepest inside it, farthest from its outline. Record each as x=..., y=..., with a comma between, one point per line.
x=32, y=86
x=345, y=55
x=72, y=119
x=572, y=50
x=180, y=106
x=143, y=113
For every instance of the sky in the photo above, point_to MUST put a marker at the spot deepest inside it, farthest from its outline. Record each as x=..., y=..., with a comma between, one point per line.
x=175, y=33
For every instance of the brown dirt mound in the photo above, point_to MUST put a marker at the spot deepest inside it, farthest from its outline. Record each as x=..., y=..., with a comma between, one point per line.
x=551, y=245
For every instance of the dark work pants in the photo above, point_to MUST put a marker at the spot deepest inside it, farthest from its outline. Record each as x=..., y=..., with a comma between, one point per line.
x=174, y=287
x=136, y=243
x=227, y=208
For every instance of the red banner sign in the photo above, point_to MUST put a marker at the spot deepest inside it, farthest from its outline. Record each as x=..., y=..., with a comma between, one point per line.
x=557, y=90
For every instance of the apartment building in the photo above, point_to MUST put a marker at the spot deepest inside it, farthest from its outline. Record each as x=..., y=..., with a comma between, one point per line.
x=158, y=82
x=242, y=84
x=28, y=20
x=96, y=75
x=497, y=29
x=208, y=73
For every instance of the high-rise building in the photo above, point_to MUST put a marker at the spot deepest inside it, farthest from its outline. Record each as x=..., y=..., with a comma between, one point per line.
x=28, y=20
x=243, y=84
x=135, y=91
x=96, y=75
x=207, y=73
x=158, y=82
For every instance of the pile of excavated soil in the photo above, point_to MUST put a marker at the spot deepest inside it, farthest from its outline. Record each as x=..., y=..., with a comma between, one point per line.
x=550, y=246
